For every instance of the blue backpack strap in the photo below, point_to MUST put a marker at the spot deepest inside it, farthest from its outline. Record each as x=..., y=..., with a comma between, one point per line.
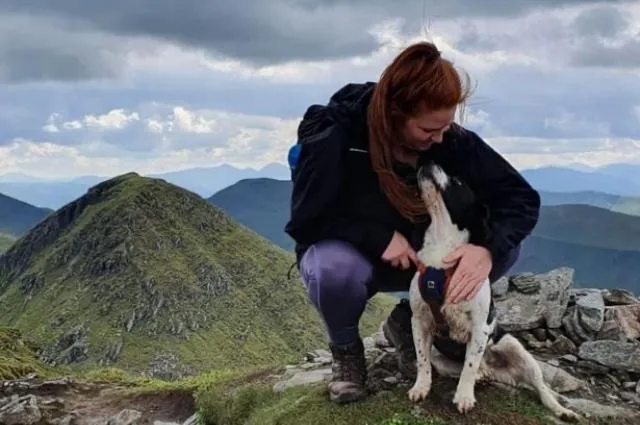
x=294, y=157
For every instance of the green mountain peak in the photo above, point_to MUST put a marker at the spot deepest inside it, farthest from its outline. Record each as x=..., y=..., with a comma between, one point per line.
x=150, y=277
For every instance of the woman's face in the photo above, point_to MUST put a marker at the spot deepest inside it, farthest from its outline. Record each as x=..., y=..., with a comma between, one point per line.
x=427, y=128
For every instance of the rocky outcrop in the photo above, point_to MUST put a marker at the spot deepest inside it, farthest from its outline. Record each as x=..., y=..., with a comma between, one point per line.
x=585, y=340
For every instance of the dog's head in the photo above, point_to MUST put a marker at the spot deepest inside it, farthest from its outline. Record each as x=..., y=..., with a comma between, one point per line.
x=443, y=193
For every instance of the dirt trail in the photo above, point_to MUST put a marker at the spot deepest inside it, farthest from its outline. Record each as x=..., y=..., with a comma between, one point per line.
x=66, y=402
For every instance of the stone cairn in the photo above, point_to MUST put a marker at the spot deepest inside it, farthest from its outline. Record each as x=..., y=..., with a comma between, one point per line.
x=586, y=340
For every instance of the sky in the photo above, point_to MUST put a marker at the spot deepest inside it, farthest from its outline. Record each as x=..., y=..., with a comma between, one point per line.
x=96, y=88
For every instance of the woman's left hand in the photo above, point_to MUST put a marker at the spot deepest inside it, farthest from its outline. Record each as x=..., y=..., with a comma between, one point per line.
x=474, y=265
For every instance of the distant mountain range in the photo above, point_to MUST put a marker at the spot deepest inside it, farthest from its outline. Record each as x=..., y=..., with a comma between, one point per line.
x=621, y=179
x=603, y=246
x=615, y=179
x=203, y=181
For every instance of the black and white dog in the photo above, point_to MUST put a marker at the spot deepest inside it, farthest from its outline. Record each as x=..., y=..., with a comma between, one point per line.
x=488, y=352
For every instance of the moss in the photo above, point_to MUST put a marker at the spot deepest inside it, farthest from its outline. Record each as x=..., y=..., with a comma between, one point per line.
x=18, y=357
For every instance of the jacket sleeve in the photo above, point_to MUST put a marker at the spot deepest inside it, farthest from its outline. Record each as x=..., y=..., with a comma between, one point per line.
x=514, y=206
x=318, y=177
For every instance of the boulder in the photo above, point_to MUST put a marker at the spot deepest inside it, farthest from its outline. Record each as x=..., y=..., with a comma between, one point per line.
x=533, y=300
x=584, y=319
x=613, y=354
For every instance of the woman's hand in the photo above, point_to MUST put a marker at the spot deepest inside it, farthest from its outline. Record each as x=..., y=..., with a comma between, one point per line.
x=399, y=253
x=474, y=265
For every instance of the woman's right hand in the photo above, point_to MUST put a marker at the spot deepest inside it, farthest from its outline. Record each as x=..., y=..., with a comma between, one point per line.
x=399, y=252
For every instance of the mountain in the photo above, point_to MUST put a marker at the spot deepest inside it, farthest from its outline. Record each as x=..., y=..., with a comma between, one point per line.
x=5, y=242
x=203, y=181
x=624, y=171
x=17, y=217
x=150, y=277
x=595, y=267
x=258, y=204
x=589, y=226
x=558, y=179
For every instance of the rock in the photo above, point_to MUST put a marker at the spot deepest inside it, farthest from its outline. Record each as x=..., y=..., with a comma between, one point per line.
x=618, y=297
x=584, y=320
x=126, y=417
x=621, y=323
x=592, y=409
x=500, y=287
x=191, y=420
x=592, y=367
x=20, y=411
x=569, y=358
x=303, y=378
x=563, y=345
x=614, y=354
x=535, y=300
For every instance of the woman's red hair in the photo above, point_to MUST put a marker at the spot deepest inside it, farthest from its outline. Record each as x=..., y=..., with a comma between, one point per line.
x=418, y=79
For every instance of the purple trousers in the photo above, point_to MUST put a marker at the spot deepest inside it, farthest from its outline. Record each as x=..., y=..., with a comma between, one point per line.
x=340, y=281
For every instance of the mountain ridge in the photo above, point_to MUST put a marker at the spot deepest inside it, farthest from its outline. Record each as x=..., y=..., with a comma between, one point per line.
x=149, y=276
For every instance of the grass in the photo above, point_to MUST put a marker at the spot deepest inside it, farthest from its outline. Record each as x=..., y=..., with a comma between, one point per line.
x=254, y=404
x=5, y=242
x=153, y=268
x=18, y=357
x=244, y=396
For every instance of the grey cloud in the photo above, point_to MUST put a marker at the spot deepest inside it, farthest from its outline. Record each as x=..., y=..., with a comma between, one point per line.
x=603, y=20
x=41, y=49
x=605, y=41
x=598, y=54
x=255, y=31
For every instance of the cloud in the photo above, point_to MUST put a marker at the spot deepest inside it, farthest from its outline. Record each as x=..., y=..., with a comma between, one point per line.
x=154, y=97
x=71, y=40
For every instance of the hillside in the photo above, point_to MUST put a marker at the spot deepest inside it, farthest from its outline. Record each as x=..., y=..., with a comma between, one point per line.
x=590, y=226
x=258, y=204
x=624, y=204
x=594, y=266
x=5, y=242
x=17, y=217
x=558, y=179
x=150, y=277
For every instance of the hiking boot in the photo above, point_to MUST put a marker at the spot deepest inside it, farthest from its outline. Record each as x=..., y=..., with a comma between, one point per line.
x=397, y=330
x=349, y=372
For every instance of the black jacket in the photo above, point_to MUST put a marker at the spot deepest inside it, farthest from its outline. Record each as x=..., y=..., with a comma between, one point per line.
x=336, y=194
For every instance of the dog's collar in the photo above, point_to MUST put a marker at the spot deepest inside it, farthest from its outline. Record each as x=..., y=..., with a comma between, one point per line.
x=430, y=290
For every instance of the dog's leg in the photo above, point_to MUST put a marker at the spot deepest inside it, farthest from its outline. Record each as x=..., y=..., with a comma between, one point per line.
x=510, y=363
x=423, y=326
x=481, y=328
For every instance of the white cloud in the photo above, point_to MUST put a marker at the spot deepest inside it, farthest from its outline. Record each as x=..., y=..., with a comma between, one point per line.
x=182, y=138
x=533, y=152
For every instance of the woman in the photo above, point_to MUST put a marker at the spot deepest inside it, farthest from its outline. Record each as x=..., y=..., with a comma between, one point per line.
x=356, y=215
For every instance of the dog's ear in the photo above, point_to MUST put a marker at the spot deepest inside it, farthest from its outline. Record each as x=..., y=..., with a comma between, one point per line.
x=459, y=200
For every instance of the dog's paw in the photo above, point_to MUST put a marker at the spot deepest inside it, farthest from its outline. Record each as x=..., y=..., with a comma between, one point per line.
x=464, y=400
x=419, y=391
